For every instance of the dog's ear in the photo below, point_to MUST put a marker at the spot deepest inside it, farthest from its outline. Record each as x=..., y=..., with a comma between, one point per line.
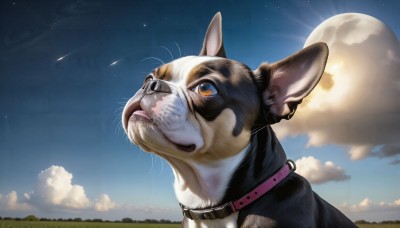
x=287, y=82
x=213, y=44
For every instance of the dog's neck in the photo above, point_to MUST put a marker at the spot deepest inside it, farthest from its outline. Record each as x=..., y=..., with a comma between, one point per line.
x=202, y=185
x=264, y=157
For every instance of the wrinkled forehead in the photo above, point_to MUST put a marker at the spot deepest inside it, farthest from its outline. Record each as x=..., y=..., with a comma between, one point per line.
x=179, y=71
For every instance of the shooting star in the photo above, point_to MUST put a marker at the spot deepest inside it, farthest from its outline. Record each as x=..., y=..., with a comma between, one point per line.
x=72, y=52
x=63, y=57
x=114, y=63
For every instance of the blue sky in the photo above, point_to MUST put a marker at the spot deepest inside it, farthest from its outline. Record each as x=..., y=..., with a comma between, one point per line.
x=61, y=98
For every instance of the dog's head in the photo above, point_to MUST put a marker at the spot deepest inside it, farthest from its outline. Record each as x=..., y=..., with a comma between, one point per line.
x=205, y=107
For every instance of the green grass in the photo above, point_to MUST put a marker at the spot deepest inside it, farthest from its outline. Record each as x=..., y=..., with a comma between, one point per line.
x=378, y=225
x=51, y=224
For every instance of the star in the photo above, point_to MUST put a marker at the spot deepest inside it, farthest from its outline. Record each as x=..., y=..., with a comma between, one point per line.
x=113, y=63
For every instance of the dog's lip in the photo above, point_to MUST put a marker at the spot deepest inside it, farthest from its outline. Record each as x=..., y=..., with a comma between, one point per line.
x=141, y=112
x=136, y=110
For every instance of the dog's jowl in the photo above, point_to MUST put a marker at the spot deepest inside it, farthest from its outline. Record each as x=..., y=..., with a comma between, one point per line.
x=210, y=116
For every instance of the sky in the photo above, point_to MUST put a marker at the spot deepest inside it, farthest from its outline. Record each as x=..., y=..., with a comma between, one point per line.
x=68, y=67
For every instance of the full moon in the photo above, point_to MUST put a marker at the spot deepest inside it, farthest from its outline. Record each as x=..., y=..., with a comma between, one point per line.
x=357, y=99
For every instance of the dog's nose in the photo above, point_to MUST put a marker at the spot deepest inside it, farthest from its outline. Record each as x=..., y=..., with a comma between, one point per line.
x=156, y=86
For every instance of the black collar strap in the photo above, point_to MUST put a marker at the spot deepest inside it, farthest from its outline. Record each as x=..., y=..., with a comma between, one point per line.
x=225, y=210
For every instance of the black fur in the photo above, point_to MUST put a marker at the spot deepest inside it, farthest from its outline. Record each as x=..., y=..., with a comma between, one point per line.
x=292, y=203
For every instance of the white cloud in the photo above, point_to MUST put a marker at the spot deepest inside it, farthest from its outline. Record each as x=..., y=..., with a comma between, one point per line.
x=317, y=173
x=367, y=205
x=11, y=202
x=356, y=102
x=104, y=203
x=54, y=188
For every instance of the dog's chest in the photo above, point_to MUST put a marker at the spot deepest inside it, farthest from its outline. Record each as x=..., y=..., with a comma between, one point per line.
x=227, y=222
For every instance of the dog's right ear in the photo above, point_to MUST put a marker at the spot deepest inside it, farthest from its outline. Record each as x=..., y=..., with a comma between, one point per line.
x=213, y=44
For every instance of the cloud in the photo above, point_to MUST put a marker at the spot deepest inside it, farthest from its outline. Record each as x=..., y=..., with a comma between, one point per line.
x=356, y=102
x=54, y=190
x=104, y=203
x=395, y=162
x=11, y=202
x=368, y=205
x=388, y=151
x=317, y=173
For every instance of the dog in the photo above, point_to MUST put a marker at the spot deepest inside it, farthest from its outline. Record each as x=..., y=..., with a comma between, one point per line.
x=210, y=118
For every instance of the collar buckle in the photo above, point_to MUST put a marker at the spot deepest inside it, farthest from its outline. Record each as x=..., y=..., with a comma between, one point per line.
x=209, y=213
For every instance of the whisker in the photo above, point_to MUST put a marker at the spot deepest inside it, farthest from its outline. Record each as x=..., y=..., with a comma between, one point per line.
x=257, y=130
x=152, y=164
x=172, y=57
x=154, y=59
x=162, y=166
x=118, y=115
x=179, y=49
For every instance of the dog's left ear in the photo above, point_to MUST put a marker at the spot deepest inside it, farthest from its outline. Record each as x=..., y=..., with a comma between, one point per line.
x=213, y=44
x=287, y=82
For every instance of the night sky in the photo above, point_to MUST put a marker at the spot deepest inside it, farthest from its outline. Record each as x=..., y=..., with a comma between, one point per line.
x=68, y=67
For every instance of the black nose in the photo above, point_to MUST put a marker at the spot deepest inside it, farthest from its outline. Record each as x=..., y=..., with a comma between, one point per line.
x=156, y=86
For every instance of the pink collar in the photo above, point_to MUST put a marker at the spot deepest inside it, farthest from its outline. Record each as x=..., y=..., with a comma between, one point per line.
x=223, y=211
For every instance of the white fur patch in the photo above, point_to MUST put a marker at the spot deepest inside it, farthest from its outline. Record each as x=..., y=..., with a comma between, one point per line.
x=227, y=222
x=203, y=185
x=182, y=67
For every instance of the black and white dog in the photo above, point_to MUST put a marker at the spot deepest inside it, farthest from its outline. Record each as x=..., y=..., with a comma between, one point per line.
x=209, y=117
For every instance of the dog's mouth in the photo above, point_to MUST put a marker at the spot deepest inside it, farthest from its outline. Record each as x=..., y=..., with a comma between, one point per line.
x=136, y=114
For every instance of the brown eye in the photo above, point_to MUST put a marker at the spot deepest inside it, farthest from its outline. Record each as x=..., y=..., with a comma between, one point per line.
x=206, y=89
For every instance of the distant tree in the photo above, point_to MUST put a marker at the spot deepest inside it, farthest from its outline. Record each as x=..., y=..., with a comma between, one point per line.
x=31, y=218
x=152, y=221
x=60, y=219
x=88, y=220
x=163, y=221
x=1, y=218
x=362, y=222
x=127, y=220
x=77, y=220
x=97, y=220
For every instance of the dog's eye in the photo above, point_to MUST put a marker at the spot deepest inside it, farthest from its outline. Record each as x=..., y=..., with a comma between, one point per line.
x=206, y=89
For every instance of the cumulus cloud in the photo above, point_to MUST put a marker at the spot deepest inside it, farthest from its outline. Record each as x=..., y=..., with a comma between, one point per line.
x=368, y=205
x=317, y=172
x=356, y=102
x=54, y=188
x=11, y=202
x=104, y=203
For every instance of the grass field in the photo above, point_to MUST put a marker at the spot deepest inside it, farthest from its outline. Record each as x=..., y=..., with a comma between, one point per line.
x=379, y=225
x=40, y=224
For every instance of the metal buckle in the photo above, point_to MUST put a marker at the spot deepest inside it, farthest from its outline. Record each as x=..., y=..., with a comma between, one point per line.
x=209, y=214
x=186, y=212
x=292, y=164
